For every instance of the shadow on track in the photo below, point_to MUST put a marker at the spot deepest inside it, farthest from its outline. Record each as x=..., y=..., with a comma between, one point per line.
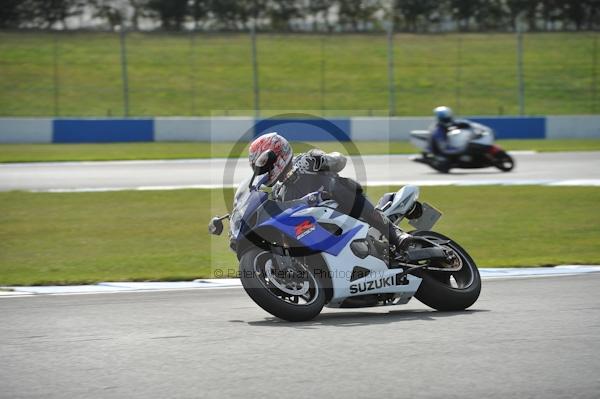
x=360, y=318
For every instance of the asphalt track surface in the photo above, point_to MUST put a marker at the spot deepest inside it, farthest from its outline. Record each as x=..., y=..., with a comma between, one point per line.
x=524, y=338
x=531, y=168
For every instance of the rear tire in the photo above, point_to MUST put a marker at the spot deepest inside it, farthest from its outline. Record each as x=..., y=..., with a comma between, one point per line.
x=437, y=290
x=266, y=294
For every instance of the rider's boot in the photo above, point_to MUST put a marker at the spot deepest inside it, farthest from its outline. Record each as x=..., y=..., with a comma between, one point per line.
x=401, y=243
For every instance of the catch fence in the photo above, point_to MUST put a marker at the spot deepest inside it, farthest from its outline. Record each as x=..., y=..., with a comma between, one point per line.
x=64, y=74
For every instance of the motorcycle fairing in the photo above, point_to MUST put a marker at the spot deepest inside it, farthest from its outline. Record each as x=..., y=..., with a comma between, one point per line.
x=300, y=224
x=339, y=257
x=238, y=225
x=377, y=281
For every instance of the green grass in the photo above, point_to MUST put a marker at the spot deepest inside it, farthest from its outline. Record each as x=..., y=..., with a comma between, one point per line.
x=87, y=237
x=169, y=74
x=135, y=151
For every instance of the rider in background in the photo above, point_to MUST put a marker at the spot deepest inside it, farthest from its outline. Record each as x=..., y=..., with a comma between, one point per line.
x=294, y=177
x=445, y=122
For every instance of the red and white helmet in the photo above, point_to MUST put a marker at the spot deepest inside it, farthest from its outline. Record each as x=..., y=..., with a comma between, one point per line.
x=280, y=146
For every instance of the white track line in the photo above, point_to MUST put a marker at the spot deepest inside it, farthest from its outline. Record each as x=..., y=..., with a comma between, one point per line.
x=112, y=287
x=507, y=182
x=194, y=160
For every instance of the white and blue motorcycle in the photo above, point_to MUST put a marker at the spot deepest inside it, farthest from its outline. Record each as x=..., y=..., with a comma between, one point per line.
x=469, y=145
x=297, y=256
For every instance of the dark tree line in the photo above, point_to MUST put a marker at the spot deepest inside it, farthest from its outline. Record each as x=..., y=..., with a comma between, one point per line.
x=306, y=15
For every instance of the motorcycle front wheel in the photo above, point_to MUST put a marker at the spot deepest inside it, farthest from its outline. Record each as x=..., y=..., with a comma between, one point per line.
x=504, y=162
x=293, y=294
x=449, y=290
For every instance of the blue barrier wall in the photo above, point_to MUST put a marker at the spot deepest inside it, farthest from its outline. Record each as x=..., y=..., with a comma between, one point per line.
x=105, y=130
x=102, y=130
x=515, y=127
x=306, y=129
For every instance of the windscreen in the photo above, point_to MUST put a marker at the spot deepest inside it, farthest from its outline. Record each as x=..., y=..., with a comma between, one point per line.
x=241, y=200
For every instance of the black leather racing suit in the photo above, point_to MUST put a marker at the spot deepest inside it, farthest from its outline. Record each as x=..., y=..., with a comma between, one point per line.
x=315, y=170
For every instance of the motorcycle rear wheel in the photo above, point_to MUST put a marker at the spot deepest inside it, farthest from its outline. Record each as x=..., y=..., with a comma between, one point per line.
x=274, y=292
x=449, y=291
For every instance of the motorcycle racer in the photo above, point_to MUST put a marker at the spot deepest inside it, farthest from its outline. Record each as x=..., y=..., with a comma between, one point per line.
x=439, y=145
x=294, y=177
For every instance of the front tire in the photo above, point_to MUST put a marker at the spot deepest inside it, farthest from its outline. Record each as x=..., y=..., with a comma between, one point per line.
x=504, y=162
x=449, y=291
x=274, y=292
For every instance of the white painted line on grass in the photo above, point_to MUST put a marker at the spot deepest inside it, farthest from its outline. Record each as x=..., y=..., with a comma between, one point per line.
x=523, y=152
x=112, y=287
x=491, y=273
x=12, y=294
x=576, y=182
x=381, y=183
x=132, y=188
x=192, y=160
x=114, y=162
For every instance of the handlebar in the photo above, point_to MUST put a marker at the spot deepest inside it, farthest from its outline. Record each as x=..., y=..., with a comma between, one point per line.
x=316, y=197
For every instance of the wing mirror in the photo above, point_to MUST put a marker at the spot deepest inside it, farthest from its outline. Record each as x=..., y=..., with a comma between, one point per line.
x=215, y=226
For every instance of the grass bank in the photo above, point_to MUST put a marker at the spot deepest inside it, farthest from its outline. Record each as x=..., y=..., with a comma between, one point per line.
x=137, y=151
x=79, y=74
x=87, y=237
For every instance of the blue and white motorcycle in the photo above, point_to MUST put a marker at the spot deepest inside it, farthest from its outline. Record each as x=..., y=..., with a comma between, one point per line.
x=297, y=256
x=469, y=145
